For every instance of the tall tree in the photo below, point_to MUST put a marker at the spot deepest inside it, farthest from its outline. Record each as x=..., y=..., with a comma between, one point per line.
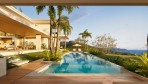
x=60, y=10
x=52, y=14
x=104, y=43
x=85, y=34
x=65, y=27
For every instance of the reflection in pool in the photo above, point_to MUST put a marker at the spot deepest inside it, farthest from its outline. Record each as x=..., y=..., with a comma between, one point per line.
x=82, y=63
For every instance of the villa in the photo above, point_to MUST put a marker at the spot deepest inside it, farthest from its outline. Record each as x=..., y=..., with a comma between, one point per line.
x=16, y=29
x=86, y=64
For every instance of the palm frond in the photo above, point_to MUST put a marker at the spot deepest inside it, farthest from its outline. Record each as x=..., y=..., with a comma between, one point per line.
x=39, y=9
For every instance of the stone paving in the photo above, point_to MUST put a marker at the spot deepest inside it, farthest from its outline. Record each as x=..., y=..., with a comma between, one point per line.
x=18, y=76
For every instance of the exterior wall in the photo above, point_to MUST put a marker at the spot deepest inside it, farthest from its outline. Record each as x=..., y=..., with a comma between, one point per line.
x=3, y=66
x=38, y=42
x=44, y=27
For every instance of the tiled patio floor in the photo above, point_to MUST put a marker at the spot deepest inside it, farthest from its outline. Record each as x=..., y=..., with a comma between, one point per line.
x=18, y=76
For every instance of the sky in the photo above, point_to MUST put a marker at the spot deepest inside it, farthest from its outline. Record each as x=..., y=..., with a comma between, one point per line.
x=127, y=24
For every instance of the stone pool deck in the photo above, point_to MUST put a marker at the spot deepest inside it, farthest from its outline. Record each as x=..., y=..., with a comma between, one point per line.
x=18, y=76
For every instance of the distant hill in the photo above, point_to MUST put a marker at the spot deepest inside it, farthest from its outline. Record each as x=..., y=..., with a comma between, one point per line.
x=129, y=51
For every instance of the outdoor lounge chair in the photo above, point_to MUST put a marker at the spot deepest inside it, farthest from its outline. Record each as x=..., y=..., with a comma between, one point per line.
x=18, y=61
x=79, y=49
x=74, y=50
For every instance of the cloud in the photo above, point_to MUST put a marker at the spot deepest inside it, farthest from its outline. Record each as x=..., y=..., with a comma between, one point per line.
x=79, y=14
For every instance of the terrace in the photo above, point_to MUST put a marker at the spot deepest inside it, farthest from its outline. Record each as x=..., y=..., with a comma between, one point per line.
x=19, y=75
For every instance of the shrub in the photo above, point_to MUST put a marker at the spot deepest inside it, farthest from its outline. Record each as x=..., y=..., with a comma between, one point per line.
x=65, y=50
x=96, y=52
x=44, y=46
x=143, y=65
x=130, y=65
x=31, y=56
x=52, y=57
x=1, y=56
x=138, y=64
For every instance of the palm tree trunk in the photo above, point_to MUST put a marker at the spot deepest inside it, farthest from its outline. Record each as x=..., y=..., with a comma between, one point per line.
x=54, y=41
x=58, y=31
x=65, y=41
x=50, y=42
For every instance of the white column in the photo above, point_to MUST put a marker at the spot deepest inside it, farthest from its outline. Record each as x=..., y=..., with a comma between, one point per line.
x=38, y=42
x=14, y=40
x=23, y=42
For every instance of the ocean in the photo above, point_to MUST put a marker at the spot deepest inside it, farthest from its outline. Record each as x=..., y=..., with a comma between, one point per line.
x=130, y=51
x=135, y=51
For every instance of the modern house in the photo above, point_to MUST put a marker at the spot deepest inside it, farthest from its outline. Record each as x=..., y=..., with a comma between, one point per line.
x=17, y=29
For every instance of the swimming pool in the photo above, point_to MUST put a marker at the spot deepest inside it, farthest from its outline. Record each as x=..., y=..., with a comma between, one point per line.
x=80, y=63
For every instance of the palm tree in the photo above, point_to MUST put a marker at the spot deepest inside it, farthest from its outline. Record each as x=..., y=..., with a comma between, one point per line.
x=60, y=10
x=65, y=27
x=85, y=35
x=52, y=14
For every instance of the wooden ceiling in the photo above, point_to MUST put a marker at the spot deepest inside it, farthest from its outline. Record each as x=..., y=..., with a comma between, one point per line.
x=11, y=26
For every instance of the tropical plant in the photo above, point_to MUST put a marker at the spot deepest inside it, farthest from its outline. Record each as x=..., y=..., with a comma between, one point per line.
x=1, y=56
x=143, y=64
x=20, y=10
x=104, y=43
x=31, y=45
x=60, y=10
x=65, y=27
x=65, y=50
x=52, y=14
x=85, y=34
x=51, y=57
x=44, y=46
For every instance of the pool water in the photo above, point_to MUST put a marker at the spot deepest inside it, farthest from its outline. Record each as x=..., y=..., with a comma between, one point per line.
x=82, y=64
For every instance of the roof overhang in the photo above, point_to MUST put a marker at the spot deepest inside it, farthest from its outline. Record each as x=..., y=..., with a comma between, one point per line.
x=12, y=26
x=74, y=2
x=41, y=21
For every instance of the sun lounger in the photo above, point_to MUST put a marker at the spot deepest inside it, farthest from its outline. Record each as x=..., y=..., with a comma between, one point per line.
x=74, y=50
x=18, y=61
x=21, y=62
x=13, y=60
x=79, y=49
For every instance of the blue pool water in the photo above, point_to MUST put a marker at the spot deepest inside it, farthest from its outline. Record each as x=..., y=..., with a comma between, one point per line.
x=82, y=63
